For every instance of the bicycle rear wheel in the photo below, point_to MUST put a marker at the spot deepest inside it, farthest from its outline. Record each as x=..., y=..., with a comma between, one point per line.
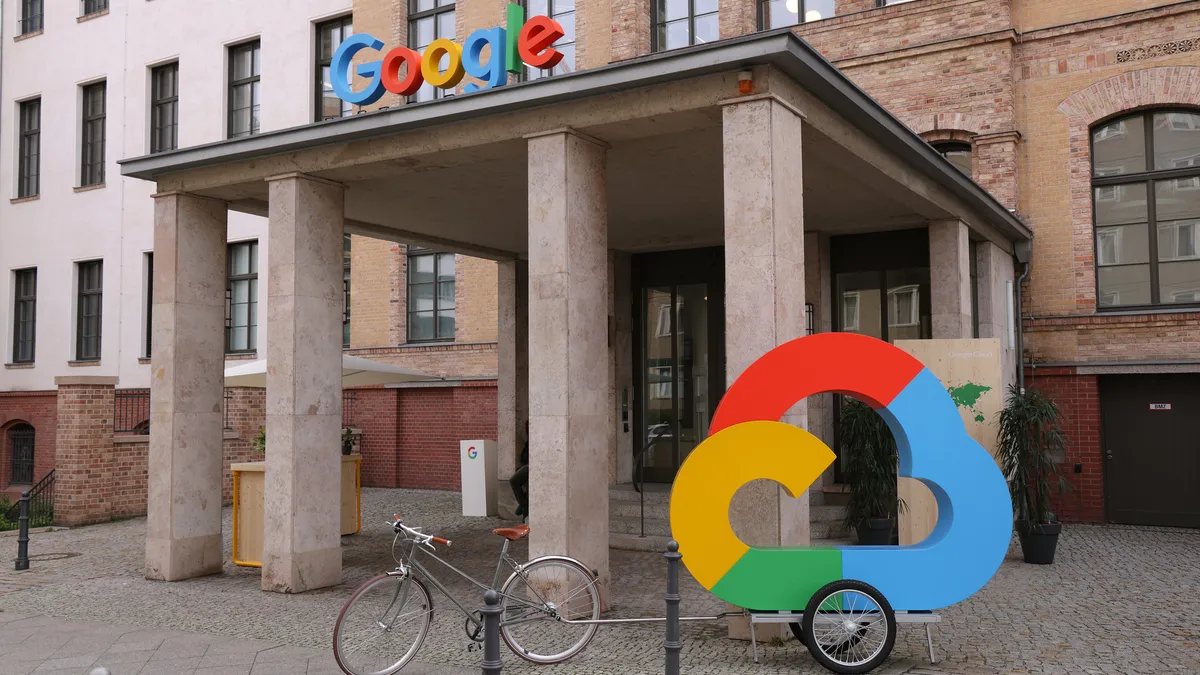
x=382, y=625
x=539, y=599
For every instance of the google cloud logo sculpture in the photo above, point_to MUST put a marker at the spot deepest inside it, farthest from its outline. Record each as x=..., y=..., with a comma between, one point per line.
x=747, y=442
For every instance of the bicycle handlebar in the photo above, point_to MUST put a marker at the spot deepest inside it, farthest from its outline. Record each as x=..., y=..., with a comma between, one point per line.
x=419, y=536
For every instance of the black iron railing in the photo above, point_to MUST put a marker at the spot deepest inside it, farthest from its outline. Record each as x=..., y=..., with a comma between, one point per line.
x=41, y=506
x=226, y=406
x=131, y=412
x=639, y=464
x=349, y=399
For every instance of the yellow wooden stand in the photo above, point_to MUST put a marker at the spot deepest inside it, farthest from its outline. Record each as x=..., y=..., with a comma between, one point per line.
x=248, y=483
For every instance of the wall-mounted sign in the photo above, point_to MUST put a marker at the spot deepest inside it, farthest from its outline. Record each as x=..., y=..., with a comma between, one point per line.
x=508, y=47
x=1160, y=406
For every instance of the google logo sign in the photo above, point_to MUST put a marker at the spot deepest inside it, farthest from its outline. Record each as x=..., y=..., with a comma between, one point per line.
x=748, y=442
x=521, y=42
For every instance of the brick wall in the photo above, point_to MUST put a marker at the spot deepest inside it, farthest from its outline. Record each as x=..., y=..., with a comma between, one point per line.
x=248, y=414
x=128, y=476
x=83, y=474
x=38, y=409
x=476, y=303
x=1078, y=397
x=444, y=359
x=411, y=435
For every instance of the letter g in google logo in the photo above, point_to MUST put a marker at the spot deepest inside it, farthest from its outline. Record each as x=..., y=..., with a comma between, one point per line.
x=522, y=42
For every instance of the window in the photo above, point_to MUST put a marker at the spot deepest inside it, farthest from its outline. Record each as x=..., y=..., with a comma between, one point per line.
x=241, y=299
x=850, y=311
x=31, y=16
x=780, y=13
x=93, y=7
x=149, y=303
x=88, y=310
x=245, y=63
x=429, y=20
x=957, y=153
x=682, y=23
x=1146, y=209
x=92, y=159
x=430, y=295
x=346, y=290
x=21, y=439
x=164, y=108
x=562, y=11
x=887, y=3
x=29, y=167
x=329, y=35
x=904, y=306
x=24, y=315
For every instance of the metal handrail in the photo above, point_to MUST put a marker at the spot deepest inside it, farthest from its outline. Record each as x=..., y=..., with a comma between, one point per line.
x=39, y=517
x=639, y=483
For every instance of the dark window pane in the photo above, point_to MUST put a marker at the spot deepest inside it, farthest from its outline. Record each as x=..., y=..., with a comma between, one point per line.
x=1121, y=204
x=420, y=269
x=703, y=6
x=420, y=298
x=445, y=324
x=420, y=326
x=1176, y=198
x=777, y=14
x=1122, y=245
x=1176, y=140
x=707, y=29
x=1119, y=147
x=670, y=10
x=815, y=10
x=1125, y=285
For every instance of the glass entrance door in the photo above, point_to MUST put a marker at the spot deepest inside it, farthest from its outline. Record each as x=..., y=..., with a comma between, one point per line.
x=676, y=402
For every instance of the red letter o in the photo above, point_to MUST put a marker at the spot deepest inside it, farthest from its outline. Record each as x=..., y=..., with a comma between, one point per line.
x=391, y=71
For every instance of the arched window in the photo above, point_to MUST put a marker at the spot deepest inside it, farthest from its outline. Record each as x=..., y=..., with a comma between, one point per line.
x=20, y=444
x=1146, y=198
x=957, y=152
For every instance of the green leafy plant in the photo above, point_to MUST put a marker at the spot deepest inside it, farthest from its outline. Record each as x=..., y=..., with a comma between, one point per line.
x=1031, y=437
x=869, y=459
x=259, y=442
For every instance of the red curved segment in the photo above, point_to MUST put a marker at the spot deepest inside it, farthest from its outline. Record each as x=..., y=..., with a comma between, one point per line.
x=863, y=367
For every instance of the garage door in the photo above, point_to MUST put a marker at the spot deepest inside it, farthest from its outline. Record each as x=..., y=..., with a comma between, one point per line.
x=1151, y=430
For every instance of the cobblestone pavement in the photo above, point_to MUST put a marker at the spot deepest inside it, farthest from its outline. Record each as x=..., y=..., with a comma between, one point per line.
x=1117, y=600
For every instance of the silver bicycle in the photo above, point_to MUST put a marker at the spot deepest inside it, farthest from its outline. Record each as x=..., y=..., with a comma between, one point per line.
x=385, y=621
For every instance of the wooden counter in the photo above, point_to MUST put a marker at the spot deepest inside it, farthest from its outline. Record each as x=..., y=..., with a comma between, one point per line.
x=248, y=487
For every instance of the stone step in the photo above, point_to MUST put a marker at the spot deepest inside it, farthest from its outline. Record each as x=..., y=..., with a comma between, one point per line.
x=654, y=526
x=828, y=530
x=844, y=541
x=627, y=495
x=656, y=510
x=632, y=542
x=826, y=513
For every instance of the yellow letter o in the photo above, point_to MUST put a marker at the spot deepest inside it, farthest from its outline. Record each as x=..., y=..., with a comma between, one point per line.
x=429, y=64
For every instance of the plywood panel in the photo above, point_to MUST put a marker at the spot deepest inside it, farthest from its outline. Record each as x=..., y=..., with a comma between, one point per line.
x=971, y=371
x=248, y=516
x=351, y=501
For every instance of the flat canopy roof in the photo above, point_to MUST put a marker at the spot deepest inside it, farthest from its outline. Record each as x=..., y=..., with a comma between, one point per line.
x=780, y=49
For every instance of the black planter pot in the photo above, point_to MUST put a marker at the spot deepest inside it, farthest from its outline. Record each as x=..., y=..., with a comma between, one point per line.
x=875, y=531
x=1038, y=541
x=347, y=447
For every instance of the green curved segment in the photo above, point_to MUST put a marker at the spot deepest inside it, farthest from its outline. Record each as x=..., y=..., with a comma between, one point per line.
x=754, y=581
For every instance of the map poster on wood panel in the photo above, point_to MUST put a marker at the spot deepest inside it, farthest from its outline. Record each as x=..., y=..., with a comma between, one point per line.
x=971, y=372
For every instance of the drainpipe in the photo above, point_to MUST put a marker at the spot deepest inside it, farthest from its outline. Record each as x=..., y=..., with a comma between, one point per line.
x=1021, y=251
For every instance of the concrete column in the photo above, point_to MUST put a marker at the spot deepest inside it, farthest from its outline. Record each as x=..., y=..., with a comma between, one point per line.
x=512, y=382
x=995, y=277
x=568, y=348
x=183, y=509
x=950, y=279
x=764, y=285
x=302, y=533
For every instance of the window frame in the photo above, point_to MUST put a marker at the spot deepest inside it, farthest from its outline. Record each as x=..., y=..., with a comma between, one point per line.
x=19, y=301
x=157, y=102
x=255, y=77
x=655, y=23
x=29, y=183
x=82, y=319
x=528, y=72
x=415, y=15
x=29, y=22
x=344, y=23
x=251, y=316
x=90, y=7
x=1148, y=178
x=946, y=146
x=418, y=252
x=149, y=330
x=91, y=169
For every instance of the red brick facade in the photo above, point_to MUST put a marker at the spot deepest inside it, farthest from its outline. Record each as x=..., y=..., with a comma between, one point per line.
x=1078, y=398
x=38, y=409
x=411, y=435
x=84, y=460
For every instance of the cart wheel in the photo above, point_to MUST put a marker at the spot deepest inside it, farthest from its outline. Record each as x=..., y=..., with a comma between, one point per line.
x=798, y=631
x=850, y=627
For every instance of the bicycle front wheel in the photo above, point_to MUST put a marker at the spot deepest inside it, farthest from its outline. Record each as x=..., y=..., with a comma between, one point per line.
x=382, y=625
x=538, y=601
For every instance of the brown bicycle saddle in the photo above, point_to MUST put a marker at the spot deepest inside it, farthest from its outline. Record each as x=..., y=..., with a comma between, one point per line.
x=512, y=533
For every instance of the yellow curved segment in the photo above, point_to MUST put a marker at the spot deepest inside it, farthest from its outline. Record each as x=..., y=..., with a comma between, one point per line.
x=712, y=474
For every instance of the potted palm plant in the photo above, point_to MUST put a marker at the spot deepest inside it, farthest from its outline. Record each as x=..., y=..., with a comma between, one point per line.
x=1031, y=437
x=869, y=460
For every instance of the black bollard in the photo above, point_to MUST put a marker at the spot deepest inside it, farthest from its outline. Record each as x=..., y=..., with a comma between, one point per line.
x=23, y=533
x=672, y=644
x=491, y=632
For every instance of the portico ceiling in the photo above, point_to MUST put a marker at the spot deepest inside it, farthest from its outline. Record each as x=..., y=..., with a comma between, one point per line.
x=458, y=181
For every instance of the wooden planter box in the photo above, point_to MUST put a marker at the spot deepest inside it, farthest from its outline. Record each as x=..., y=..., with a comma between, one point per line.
x=248, y=483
